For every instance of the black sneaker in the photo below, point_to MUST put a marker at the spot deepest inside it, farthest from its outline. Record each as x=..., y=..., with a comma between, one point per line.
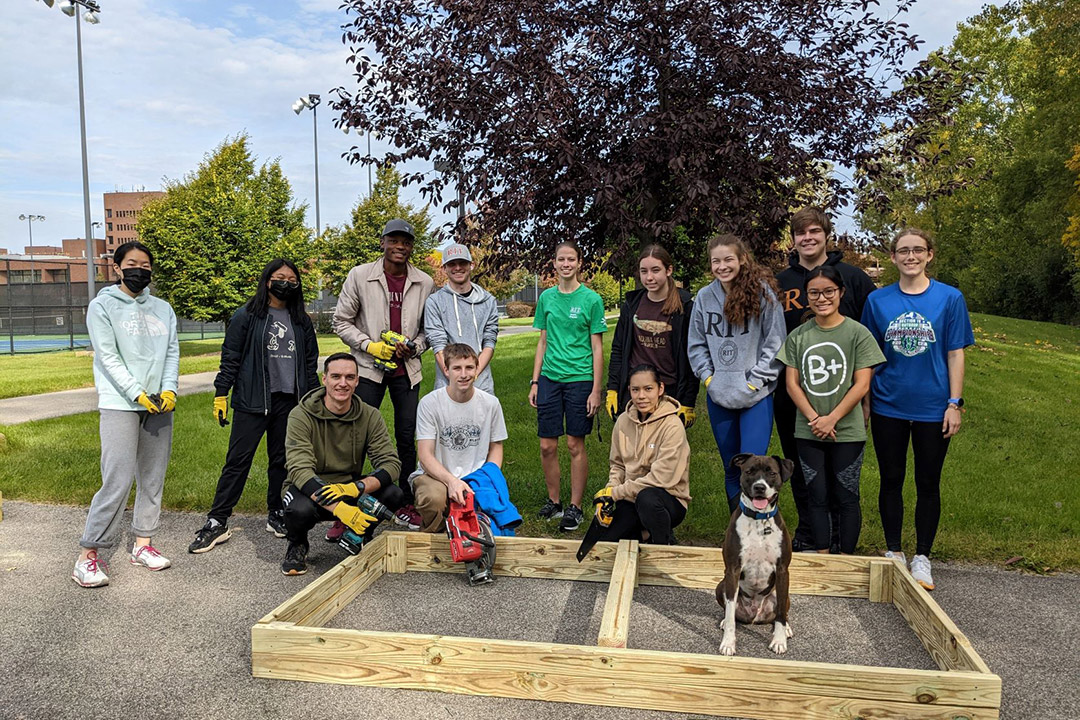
x=551, y=510
x=295, y=562
x=571, y=518
x=275, y=523
x=211, y=534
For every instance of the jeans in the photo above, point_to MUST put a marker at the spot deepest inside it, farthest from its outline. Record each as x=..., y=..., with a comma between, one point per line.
x=740, y=431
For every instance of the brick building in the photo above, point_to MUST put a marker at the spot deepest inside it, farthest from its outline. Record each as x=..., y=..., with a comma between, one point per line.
x=49, y=264
x=122, y=210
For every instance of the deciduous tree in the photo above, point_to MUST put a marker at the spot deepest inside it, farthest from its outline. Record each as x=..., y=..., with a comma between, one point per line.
x=214, y=231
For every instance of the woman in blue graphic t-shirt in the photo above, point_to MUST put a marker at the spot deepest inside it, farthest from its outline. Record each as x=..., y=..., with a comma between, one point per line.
x=922, y=327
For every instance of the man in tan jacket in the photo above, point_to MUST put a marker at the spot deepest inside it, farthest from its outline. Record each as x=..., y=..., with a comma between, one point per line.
x=388, y=294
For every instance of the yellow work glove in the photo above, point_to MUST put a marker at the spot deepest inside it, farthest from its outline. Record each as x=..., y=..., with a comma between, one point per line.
x=605, y=506
x=686, y=413
x=330, y=494
x=381, y=350
x=707, y=381
x=168, y=401
x=147, y=402
x=221, y=410
x=353, y=517
x=612, y=404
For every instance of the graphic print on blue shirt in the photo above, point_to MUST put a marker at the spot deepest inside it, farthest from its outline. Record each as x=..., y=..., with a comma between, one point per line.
x=916, y=333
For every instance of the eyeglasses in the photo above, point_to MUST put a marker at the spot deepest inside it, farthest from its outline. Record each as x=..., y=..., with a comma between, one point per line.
x=916, y=251
x=827, y=293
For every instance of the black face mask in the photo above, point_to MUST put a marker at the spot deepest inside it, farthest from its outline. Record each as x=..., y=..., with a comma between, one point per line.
x=283, y=289
x=136, y=279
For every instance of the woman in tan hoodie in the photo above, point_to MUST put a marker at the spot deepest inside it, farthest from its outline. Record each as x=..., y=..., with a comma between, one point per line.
x=649, y=480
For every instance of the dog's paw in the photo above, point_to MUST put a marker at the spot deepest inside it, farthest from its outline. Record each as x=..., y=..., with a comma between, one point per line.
x=727, y=643
x=779, y=639
x=787, y=629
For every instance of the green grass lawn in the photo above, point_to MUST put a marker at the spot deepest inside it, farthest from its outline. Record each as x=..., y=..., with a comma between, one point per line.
x=1002, y=496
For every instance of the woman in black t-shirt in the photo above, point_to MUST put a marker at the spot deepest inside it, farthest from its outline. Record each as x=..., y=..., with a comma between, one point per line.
x=652, y=329
x=269, y=360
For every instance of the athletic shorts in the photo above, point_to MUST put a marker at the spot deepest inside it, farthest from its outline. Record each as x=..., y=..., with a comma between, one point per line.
x=558, y=400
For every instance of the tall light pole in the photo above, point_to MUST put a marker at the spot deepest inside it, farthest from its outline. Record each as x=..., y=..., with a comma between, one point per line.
x=312, y=101
x=30, y=220
x=70, y=8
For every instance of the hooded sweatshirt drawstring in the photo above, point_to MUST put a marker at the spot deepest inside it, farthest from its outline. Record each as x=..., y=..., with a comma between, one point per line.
x=457, y=314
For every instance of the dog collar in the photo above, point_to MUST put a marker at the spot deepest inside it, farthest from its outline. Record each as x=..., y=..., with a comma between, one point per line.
x=754, y=514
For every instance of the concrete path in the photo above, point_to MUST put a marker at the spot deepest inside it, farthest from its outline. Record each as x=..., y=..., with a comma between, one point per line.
x=177, y=643
x=72, y=402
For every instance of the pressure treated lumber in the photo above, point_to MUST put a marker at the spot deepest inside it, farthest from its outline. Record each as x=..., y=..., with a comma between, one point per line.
x=542, y=558
x=397, y=552
x=949, y=647
x=703, y=567
x=615, y=624
x=334, y=580
x=881, y=579
x=704, y=684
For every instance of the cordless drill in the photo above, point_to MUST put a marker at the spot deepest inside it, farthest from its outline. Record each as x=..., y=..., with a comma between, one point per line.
x=354, y=543
x=393, y=339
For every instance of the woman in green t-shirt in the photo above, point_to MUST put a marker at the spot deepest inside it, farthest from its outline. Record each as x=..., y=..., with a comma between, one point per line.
x=566, y=379
x=830, y=362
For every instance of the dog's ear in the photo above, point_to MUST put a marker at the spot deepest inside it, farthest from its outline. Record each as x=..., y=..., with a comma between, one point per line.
x=741, y=458
x=787, y=467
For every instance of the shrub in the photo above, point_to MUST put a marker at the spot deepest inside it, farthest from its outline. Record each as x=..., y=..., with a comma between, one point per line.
x=518, y=309
x=606, y=287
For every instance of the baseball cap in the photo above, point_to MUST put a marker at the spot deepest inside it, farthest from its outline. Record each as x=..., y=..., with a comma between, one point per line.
x=456, y=251
x=398, y=227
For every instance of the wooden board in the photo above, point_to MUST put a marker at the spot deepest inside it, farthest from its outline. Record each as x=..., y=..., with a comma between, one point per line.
x=702, y=567
x=615, y=624
x=308, y=600
x=881, y=579
x=703, y=684
x=397, y=552
x=949, y=647
x=545, y=558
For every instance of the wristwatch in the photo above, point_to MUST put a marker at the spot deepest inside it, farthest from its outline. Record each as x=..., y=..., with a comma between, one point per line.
x=534, y=382
x=958, y=402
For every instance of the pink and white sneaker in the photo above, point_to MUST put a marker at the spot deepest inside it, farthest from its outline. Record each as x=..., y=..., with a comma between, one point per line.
x=91, y=571
x=149, y=558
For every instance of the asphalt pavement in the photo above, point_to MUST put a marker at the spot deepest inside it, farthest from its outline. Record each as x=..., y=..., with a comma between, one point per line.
x=177, y=643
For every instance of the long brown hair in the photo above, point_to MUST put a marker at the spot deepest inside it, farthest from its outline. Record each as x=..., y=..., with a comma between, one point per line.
x=743, y=302
x=673, y=303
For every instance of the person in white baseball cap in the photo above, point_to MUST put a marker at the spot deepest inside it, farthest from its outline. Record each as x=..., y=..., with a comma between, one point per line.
x=462, y=312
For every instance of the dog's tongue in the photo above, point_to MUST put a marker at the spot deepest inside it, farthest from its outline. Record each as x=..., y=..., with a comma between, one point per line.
x=760, y=503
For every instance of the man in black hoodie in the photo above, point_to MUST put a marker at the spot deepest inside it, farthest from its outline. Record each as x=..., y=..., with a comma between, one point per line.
x=810, y=231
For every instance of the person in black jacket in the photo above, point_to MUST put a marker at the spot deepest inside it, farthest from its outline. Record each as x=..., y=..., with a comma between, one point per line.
x=810, y=231
x=652, y=329
x=270, y=360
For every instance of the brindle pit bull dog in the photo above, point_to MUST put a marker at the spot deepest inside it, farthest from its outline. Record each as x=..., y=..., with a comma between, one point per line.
x=757, y=552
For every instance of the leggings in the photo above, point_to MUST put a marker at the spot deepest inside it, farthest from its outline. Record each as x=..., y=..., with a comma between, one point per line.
x=655, y=510
x=929, y=447
x=832, y=473
x=738, y=431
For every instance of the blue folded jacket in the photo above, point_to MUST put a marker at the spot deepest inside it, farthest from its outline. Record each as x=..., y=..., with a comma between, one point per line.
x=493, y=497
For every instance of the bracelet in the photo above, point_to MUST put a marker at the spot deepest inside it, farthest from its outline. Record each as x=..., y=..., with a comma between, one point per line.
x=534, y=382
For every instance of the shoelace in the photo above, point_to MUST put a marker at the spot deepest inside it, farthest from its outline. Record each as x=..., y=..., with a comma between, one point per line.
x=93, y=563
x=149, y=550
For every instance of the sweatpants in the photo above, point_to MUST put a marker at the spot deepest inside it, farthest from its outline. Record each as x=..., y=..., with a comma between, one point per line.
x=740, y=431
x=655, y=510
x=135, y=447
x=302, y=513
x=404, y=398
x=832, y=472
x=929, y=447
x=247, y=431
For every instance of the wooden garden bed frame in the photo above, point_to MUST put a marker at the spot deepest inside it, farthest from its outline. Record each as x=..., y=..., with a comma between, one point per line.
x=291, y=643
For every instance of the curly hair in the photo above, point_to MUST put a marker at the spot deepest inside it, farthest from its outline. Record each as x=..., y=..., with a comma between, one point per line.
x=744, y=299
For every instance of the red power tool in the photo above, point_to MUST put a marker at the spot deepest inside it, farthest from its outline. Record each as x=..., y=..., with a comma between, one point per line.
x=471, y=541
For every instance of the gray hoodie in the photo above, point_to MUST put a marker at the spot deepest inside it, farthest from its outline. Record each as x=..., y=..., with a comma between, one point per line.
x=735, y=356
x=471, y=319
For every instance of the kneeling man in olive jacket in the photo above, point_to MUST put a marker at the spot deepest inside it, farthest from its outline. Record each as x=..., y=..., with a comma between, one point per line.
x=330, y=433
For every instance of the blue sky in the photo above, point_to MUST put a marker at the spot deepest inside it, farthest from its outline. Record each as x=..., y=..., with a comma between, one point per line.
x=166, y=82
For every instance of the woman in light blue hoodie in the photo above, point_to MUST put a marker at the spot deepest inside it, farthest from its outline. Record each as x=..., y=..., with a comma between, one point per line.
x=736, y=330
x=136, y=367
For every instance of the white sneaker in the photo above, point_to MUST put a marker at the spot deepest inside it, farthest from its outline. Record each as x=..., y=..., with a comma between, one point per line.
x=90, y=572
x=149, y=558
x=896, y=556
x=920, y=571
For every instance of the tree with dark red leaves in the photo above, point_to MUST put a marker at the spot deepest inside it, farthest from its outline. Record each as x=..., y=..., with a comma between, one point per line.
x=619, y=122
